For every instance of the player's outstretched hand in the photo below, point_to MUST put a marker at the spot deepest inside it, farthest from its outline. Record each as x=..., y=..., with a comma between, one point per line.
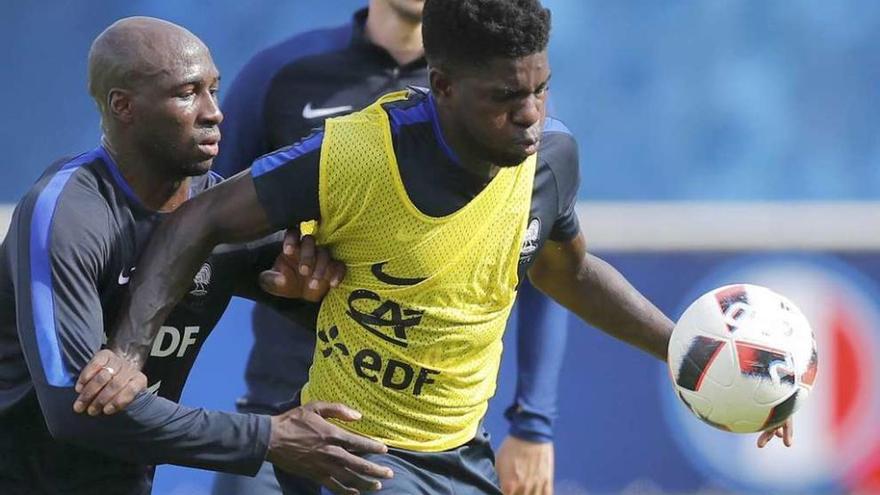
x=524, y=467
x=107, y=384
x=304, y=443
x=302, y=270
x=785, y=432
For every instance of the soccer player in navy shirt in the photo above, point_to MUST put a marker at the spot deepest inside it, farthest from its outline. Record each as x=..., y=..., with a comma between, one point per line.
x=280, y=96
x=69, y=258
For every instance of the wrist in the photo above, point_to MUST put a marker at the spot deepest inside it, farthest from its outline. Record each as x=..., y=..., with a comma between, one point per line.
x=272, y=448
x=531, y=426
x=134, y=355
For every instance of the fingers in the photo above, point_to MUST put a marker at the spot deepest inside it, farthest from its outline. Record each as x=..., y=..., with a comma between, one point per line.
x=361, y=466
x=347, y=483
x=347, y=440
x=303, y=270
x=785, y=432
x=333, y=410
x=306, y=255
x=788, y=433
x=92, y=368
x=322, y=259
x=107, y=384
x=336, y=273
x=276, y=281
x=91, y=390
x=764, y=438
x=318, y=284
x=113, y=399
x=359, y=478
x=291, y=242
x=115, y=395
x=336, y=487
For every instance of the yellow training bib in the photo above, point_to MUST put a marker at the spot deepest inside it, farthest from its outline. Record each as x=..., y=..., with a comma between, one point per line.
x=412, y=337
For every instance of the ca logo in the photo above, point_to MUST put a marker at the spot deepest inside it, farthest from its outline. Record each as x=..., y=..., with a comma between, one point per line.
x=375, y=315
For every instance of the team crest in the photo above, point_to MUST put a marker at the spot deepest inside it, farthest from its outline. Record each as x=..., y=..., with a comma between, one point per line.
x=201, y=280
x=530, y=240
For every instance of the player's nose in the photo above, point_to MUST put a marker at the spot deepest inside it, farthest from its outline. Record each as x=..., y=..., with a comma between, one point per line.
x=210, y=113
x=529, y=112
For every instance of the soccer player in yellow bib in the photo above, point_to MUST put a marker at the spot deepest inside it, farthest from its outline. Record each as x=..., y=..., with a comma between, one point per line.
x=439, y=202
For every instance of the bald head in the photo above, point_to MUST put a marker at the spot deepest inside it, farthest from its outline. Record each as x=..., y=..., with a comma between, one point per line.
x=136, y=51
x=156, y=87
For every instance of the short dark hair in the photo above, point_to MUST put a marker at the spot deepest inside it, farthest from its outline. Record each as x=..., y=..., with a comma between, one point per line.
x=471, y=32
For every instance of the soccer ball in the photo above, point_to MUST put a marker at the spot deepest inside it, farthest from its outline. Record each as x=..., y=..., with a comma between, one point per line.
x=742, y=358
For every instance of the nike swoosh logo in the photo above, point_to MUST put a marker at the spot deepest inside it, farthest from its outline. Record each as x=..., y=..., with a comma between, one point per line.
x=123, y=278
x=390, y=279
x=317, y=113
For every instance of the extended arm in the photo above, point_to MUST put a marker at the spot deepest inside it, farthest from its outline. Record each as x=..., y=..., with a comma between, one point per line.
x=279, y=191
x=227, y=213
x=600, y=295
x=59, y=259
x=525, y=461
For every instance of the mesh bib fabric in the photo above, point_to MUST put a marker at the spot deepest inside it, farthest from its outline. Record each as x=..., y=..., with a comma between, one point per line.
x=412, y=337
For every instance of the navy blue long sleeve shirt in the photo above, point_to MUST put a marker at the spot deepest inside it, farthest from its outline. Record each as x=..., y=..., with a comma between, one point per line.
x=65, y=265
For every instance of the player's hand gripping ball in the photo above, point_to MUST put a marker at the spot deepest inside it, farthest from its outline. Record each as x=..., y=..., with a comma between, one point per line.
x=743, y=358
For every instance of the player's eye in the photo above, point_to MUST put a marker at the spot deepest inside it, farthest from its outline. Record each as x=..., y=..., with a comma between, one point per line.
x=503, y=96
x=186, y=93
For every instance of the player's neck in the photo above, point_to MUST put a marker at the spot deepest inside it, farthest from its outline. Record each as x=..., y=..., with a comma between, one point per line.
x=153, y=188
x=401, y=37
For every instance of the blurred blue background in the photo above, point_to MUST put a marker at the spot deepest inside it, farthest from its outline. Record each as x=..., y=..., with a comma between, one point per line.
x=670, y=100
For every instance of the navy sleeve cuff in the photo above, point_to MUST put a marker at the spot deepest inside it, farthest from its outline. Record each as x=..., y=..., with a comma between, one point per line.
x=531, y=426
x=261, y=445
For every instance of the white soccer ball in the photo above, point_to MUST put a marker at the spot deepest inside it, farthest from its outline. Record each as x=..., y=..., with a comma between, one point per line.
x=743, y=358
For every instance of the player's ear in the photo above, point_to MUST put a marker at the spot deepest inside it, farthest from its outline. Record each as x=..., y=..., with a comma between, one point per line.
x=119, y=104
x=441, y=83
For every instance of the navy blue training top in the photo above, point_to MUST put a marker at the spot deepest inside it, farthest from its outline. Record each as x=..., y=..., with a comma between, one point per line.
x=65, y=265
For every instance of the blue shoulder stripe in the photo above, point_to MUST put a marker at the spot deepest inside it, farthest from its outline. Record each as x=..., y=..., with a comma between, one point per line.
x=42, y=293
x=271, y=161
x=413, y=114
x=423, y=111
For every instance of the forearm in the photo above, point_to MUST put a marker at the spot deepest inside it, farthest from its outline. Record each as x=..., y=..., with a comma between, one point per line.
x=602, y=297
x=227, y=213
x=176, y=250
x=153, y=430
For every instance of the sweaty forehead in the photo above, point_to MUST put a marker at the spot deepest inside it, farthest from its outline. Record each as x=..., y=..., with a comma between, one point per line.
x=189, y=61
x=514, y=73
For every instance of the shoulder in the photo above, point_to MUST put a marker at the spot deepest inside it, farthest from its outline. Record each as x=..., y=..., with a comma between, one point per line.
x=309, y=147
x=69, y=183
x=67, y=208
x=410, y=106
x=559, y=148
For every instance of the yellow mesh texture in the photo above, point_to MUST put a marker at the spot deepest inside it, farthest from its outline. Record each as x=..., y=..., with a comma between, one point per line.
x=418, y=358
